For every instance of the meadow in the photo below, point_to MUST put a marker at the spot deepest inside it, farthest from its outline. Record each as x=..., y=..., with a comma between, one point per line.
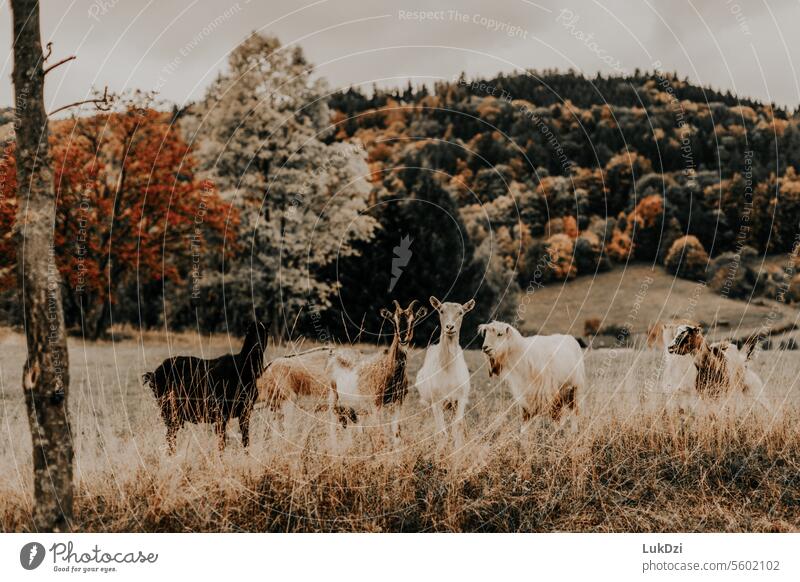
x=630, y=461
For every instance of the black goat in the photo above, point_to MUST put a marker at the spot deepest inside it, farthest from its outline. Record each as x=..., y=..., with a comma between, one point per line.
x=190, y=389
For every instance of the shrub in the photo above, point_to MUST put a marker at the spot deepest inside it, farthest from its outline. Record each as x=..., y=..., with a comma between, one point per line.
x=644, y=226
x=619, y=249
x=589, y=255
x=794, y=289
x=687, y=259
x=560, y=248
x=735, y=275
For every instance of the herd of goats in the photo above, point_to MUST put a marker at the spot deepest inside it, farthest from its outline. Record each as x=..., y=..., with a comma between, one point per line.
x=543, y=373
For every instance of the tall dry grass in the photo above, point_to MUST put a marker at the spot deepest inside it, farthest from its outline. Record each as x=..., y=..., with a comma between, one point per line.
x=629, y=462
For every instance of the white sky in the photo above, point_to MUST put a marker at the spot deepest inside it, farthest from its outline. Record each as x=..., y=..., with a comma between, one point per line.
x=178, y=46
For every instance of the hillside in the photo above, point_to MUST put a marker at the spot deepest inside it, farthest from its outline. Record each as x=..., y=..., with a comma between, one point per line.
x=638, y=295
x=539, y=178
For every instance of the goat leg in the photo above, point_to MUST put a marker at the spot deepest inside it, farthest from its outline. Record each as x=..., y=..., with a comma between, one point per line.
x=172, y=436
x=220, y=425
x=244, y=427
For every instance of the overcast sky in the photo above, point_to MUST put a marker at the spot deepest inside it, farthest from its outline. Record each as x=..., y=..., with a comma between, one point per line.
x=178, y=46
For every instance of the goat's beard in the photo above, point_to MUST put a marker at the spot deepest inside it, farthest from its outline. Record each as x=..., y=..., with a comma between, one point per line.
x=494, y=367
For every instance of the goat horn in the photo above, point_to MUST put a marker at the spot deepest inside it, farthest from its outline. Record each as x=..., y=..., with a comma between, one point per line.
x=397, y=305
x=411, y=305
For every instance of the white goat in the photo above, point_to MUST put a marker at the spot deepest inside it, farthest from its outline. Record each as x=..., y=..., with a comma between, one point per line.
x=443, y=380
x=543, y=372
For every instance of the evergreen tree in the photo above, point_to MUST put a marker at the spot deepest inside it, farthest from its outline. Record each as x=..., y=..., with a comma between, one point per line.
x=421, y=249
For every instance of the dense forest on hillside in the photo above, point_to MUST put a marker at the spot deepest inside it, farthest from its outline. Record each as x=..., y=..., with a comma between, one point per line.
x=316, y=209
x=562, y=175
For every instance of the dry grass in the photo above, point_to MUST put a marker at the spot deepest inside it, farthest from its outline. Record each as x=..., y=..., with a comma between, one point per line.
x=627, y=463
x=564, y=308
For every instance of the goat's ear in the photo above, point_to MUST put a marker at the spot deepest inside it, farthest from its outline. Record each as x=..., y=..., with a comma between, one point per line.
x=421, y=312
x=435, y=302
x=468, y=306
x=386, y=314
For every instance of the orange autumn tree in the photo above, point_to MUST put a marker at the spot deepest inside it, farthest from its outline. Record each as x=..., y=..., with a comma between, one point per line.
x=130, y=209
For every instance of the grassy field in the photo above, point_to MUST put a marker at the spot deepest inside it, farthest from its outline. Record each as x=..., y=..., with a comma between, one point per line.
x=638, y=295
x=628, y=462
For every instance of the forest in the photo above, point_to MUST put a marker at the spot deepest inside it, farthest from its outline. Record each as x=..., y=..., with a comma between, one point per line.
x=316, y=207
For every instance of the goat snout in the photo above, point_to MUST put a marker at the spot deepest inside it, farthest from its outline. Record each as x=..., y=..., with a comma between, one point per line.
x=487, y=350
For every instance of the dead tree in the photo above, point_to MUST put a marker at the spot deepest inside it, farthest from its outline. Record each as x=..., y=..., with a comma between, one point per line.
x=46, y=373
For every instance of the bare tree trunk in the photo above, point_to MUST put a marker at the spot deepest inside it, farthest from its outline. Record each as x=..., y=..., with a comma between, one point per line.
x=46, y=374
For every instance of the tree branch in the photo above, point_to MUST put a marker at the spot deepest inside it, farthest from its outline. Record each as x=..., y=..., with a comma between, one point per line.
x=101, y=104
x=59, y=63
x=49, y=51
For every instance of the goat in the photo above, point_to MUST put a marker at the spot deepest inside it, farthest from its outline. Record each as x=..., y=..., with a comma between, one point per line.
x=190, y=389
x=377, y=382
x=443, y=380
x=678, y=372
x=293, y=377
x=721, y=367
x=543, y=372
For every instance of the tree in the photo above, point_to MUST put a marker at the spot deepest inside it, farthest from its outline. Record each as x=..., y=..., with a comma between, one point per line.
x=645, y=227
x=8, y=213
x=421, y=249
x=265, y=123
x=129, y=210
x=46, y=372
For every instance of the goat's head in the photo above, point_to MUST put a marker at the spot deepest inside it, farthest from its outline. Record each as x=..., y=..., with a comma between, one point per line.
x=255, y=341
x=403, y=320
x=496, y=338
x=688, y=340
x=257, y=333
x=451, y=315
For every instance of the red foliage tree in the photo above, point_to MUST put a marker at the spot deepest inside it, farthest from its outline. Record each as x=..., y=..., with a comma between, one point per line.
x=129, y=206
x=8, y=213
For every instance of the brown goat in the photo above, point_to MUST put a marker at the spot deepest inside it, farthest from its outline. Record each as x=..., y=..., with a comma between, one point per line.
x=720, y=366
x=380, y=381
